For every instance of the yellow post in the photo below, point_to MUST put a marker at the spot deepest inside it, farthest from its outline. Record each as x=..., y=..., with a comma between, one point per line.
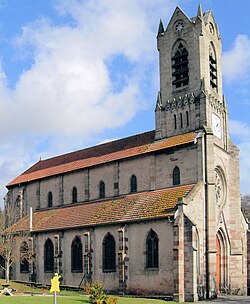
x=55, y=285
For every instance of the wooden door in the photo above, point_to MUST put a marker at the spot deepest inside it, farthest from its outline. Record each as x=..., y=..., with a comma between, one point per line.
x=218, y=265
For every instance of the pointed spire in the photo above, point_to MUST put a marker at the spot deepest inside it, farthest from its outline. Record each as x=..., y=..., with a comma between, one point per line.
x=160, y=29
x=199, y=13
x=159, y=101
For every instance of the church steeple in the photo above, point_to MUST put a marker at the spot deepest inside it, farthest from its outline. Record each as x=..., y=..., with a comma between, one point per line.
x=190, y=75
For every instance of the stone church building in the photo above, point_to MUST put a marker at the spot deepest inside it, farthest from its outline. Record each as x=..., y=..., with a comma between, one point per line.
x=154, y=213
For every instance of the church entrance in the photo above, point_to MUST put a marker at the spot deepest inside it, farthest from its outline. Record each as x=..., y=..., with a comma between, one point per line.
x=218, y=265
x=221, y=262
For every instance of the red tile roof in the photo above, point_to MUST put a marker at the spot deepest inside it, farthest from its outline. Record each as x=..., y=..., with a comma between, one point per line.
x=133, y=207
x=119, y=149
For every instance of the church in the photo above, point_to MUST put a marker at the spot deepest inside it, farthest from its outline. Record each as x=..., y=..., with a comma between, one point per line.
x=154, y=213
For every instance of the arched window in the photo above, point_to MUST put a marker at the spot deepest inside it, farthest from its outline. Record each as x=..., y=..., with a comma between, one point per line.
x=76, y=255
x=133, y=184
x=74, y=195
x=181, y=120
x=48, y=256
x=175, y=122
x=212, y=67
x=180, y=67
x=109, y=255
x=176, y=176
x=50, y=199
x=24, y=262
x=152, y=252
x=102, y=189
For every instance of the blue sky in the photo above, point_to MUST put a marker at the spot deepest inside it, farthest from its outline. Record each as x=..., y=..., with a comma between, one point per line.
x=77, y=73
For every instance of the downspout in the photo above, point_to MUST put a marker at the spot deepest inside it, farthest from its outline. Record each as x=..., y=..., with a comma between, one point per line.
x=206, y=217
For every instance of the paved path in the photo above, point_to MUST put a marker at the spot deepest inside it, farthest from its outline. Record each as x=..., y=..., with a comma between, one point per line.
x=229, y=300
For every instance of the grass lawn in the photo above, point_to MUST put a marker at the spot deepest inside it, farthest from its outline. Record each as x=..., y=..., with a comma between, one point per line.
x=64, y=297
x=71, y=300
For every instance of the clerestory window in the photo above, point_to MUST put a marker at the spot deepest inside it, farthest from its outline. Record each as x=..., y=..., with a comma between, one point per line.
x=180, y=69
x=176, y=176
x=101, y=189
x=133, y=184
x=74, y=195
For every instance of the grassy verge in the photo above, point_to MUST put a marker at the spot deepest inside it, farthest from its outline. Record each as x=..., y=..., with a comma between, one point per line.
x=64, y=297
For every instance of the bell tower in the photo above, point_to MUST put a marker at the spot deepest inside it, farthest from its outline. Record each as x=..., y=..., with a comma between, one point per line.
x=190, y=96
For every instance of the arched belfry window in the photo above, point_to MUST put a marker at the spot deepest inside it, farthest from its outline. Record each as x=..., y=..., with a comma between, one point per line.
x=133, y=184
x=50, y=199
x=24, y=262
x=74, y=195
x=213, y=67
x=176, y=176
x=109, y=255
x=102, y=189
x=180, y=70
x=48, y=256
x=152, y=254
x=76, y=255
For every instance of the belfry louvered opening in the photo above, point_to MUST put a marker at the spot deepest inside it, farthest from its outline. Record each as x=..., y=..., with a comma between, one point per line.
x=212, y=68
x=180, y=70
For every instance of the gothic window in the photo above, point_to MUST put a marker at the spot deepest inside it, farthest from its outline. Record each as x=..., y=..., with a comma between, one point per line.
x=176, y=176
x=50, y=199
x=181, y=120
x=24, y=262
x=187, y=118
x=76, y=255
x=102, y=189
x=48, y=256
x=133, y=184
x=152, y=259
x=74, y=195
x=180, y=70
x=109, y=255
x=175, y=122
x=212, y=67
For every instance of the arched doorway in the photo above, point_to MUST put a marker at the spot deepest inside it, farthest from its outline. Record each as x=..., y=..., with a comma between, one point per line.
x=218, y=265
x=221, y=261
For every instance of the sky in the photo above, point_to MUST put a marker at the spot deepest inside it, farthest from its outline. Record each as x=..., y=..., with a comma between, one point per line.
x=77, y=73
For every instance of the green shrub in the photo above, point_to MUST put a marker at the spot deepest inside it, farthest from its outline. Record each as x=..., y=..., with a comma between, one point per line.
x=97, y=296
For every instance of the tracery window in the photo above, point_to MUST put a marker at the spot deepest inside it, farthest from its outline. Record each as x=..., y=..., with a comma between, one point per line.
x=109, y=256
x=180, y=70
x=213, y=67
x=76, y=255
x=74, y=195
x=50, y=199
x=133, y=184
x=102, y=189
x=48, y=256
x=152, y=254
x=176, y=176
x=24, y=262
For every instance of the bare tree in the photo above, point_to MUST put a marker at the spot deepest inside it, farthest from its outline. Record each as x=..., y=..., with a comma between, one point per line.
x=13, y=243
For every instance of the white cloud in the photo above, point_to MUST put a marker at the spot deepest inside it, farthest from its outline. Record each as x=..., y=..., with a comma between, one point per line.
x=236, y=62
x=67, y=95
